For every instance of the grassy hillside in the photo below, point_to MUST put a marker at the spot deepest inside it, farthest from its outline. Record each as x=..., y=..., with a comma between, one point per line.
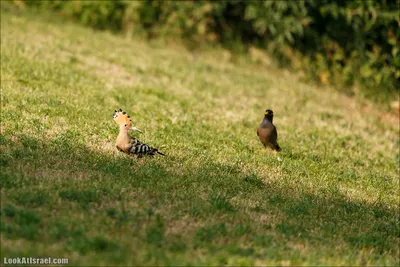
x=217, y=197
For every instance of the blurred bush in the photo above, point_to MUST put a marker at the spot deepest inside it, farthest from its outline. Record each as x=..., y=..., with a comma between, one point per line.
x=335, y=42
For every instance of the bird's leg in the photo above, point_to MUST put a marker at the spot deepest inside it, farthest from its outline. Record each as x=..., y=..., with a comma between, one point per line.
x=277, y=157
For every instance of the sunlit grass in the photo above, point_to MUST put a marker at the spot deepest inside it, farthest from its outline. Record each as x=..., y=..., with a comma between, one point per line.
x=217, y=197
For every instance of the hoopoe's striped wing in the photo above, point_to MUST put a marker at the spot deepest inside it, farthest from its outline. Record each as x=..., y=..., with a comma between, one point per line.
x=140, y=149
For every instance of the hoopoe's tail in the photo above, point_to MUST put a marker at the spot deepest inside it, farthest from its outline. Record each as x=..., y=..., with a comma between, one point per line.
x=155, y=151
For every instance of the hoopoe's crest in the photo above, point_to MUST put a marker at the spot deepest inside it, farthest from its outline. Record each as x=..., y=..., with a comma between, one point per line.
x=121, y=117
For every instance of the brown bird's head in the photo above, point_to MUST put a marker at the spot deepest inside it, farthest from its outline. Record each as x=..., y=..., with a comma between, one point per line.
x=269, y=114
x=121, y=118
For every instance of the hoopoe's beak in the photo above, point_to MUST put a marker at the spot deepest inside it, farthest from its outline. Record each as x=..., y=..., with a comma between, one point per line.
x=135, y=129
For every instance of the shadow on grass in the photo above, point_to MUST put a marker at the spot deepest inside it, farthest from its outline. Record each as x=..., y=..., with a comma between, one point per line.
x=60, y=190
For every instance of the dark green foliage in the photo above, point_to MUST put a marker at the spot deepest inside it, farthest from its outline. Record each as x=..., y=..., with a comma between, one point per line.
x=247, y=252
x=220, y=203
x=253, y=180
x=8, y=210
x=338, y=43
x=59, y=231
x=178, y=246
x=241, y=230
x=83, y=197
x=207, y=234
x=290, y=229
x=263, y=240
x=101, y=244
x=26, y=222
x=155, y=233
x=8, y=180
x=31, y=199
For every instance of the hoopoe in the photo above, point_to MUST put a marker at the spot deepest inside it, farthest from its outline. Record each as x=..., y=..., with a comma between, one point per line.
x=126, y=143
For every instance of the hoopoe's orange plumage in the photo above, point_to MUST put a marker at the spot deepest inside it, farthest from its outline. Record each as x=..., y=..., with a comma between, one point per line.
x=126, y=143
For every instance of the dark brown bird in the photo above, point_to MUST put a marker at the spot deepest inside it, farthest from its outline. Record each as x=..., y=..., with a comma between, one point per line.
x=267, y=132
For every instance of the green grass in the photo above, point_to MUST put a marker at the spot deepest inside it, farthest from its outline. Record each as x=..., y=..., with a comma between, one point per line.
x=217, y=197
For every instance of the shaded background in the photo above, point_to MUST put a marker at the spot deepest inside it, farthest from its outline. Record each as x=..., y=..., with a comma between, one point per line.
x=353, y=45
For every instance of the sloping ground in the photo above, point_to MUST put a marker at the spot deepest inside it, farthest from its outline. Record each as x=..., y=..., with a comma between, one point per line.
x=217, y=197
